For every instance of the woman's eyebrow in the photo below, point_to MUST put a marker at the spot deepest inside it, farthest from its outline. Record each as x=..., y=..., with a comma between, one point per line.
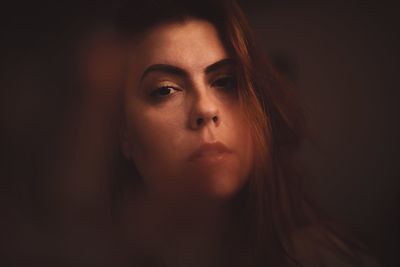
x=163, y=68
x=219, y=64
x=181, y=72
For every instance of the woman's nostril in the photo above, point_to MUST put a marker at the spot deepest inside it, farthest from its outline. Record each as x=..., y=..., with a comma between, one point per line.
x=199, y=121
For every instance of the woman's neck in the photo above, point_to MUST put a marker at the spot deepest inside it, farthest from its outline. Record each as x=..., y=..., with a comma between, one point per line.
x=178, y=233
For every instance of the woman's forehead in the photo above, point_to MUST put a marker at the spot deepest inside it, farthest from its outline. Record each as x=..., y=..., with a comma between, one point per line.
x=192, y=44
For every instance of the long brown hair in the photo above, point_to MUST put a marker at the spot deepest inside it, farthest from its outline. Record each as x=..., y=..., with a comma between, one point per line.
x=281, y=215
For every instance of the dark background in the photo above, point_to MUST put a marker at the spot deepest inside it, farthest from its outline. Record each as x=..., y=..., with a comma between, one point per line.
x=342, y=57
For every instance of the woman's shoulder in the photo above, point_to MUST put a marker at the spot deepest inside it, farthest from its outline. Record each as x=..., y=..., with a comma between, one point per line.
x=315, y=246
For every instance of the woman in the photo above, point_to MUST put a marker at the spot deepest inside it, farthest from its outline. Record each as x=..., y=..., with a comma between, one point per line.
x=207, y=138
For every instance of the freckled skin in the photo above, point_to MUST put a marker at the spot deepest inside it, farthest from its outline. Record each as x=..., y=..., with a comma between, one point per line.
x=161, y=132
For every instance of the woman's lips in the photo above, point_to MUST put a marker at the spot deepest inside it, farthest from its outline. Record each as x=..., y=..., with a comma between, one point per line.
x=210, y=151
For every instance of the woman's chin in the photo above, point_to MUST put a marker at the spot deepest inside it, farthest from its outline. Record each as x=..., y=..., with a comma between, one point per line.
x=218, y=187
x=220, y=175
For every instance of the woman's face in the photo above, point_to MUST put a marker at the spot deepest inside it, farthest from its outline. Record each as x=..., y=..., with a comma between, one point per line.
x=184, y=128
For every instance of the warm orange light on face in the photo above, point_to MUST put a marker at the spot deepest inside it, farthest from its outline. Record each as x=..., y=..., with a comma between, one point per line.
x=180, y=97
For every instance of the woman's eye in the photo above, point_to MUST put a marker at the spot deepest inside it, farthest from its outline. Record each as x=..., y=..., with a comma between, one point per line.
x=163, y=91
x=227, y=82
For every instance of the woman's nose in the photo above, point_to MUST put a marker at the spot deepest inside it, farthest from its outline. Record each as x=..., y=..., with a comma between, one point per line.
x=204, y=112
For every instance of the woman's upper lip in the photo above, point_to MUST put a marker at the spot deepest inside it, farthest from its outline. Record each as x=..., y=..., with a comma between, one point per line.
x=209, y=149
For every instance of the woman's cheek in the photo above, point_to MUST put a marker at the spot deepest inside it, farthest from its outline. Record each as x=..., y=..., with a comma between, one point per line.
x=156, y=136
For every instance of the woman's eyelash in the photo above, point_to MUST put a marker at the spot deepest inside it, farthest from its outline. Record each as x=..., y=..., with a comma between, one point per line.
x=226, y=82
x=163, y=91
